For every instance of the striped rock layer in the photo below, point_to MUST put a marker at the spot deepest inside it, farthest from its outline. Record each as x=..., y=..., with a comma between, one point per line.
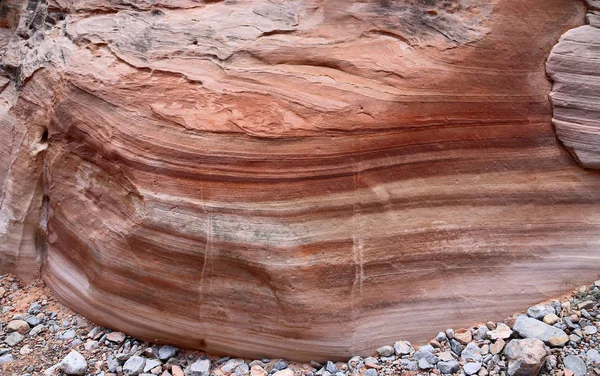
x=574, y=66
x=305, y=179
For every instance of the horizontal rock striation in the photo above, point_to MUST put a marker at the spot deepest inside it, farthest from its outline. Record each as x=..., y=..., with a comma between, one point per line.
x=574, y=66
x=295, y=179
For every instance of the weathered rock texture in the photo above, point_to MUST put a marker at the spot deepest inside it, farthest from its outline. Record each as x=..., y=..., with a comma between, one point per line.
x=574, y=66
x=304, y=179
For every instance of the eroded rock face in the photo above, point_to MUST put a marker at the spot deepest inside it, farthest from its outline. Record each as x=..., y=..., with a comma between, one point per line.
x=307, y=180
x=573, y=66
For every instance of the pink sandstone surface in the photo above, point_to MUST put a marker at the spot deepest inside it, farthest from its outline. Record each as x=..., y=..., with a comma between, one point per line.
x=300, y=179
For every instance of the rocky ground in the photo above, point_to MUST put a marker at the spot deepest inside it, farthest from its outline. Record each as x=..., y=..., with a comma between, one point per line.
x=40, y=337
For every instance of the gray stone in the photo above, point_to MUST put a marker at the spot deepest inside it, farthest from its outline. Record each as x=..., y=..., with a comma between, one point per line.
x=593, y=358
x=424, y=364
x=242, y=369
x=472, y=352
x=331, y=367
x=280, y=364
x=551, y=362
x=151, y=364
x=37, y=330
x=403, y=348
x=481, y=333
x=91, y=345
x=409, y=365
x=354, y=362
x=445, y=356
x=73, y=364
x=472, y=368
x=525, y=356
x=385, y=350
x=33, y=321
x=575, y=338
x=13, y=339
x=69, y=334
x=371, y=360
x=590, y=329
x=575, y=364
x=450, y=333
x=231, y=365
x=570, y=324
x=539, y=311
x=166, y=352
x=370, y=372
x=112, y=363
x=134, y=365
x=6, y=358
x=528, y=327
x=448, y=367
x=424, y=353
x=34, y=309
x=200, y=368
x=456, y=347
x=441, y=337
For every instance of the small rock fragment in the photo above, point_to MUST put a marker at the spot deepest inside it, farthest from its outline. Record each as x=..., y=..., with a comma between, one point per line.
x=73, y=364
x=6, y=358
x=472, y=368
x=576, y=365
x=403, y=348
x=456, y=347
x=502, y=331
x=256, y=370
x=13, y=339
x=385, y=351
x=151, y=364
x=19, y=326
x=472, y=352
x=463, y=336
x=200, y=368
x=593, y=358
x=497, y=346
x=448, y=367
x=539, y=311
x=166, y=352
x=283, y=372
x=116, y=337
x=134, y=365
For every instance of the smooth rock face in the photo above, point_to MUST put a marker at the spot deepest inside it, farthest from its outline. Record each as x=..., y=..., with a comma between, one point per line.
x=201, y=173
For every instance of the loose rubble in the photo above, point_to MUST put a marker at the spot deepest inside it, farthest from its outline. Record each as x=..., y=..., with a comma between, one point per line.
x=38, y=336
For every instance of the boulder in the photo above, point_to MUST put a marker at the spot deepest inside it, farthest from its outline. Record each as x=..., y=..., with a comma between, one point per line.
x=525, y=356
x=528, y=327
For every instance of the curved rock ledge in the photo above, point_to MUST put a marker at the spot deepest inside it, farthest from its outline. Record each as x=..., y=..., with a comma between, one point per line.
x=305, y=180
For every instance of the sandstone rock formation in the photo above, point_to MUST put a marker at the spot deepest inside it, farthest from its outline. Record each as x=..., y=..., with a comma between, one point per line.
x=302, y=179
x=574, y=66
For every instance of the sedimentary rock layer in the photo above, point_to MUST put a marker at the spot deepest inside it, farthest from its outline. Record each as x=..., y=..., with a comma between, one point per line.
x=301, y=179
x=574, y=66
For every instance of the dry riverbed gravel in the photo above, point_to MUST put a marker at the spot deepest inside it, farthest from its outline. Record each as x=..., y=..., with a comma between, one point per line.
x=38, y=336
